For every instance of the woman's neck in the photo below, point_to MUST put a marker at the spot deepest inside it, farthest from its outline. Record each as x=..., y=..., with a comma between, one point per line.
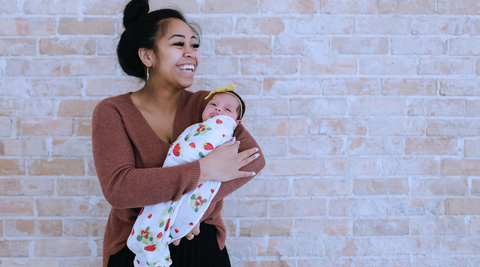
x=161, y=99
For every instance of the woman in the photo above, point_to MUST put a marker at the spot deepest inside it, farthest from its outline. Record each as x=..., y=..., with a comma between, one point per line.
x=132, y=134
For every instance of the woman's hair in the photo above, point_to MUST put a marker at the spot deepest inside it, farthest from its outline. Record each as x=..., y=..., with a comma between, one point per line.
x=142, y=29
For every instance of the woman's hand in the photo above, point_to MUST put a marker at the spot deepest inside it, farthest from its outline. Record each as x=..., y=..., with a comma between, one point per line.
x=195, y=231
x=224, y=162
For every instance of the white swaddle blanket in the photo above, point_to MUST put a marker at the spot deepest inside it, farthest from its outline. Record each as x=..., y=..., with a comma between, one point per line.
x=159, y=225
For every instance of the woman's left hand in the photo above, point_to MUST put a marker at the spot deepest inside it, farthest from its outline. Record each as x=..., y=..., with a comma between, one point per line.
x=195, y=231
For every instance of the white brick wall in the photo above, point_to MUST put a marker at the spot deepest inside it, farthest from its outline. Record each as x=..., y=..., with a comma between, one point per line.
x=367, y=111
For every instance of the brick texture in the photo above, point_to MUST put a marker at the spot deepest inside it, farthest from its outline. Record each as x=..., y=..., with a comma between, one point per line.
x=368, y=113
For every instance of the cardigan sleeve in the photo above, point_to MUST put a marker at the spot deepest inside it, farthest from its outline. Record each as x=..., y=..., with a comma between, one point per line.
x=246, y=142
x=123, y=185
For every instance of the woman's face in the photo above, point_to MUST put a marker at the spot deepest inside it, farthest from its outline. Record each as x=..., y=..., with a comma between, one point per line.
x=178, y=55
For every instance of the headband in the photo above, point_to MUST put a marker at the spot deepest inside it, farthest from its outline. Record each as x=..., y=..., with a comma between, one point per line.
x=227, y=89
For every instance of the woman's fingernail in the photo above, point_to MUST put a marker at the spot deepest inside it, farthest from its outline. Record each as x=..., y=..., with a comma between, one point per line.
x=253, y=173
x=257, y=155
x=256, y=149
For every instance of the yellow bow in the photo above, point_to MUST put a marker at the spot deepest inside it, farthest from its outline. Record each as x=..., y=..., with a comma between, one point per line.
x=217, y=90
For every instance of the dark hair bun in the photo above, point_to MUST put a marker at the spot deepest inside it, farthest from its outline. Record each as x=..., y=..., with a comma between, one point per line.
x=134, y=10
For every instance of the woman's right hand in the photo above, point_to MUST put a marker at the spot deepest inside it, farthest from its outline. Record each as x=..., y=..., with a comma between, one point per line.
x=224, y=162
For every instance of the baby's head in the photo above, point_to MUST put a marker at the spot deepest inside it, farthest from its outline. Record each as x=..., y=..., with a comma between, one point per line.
x=225, y=103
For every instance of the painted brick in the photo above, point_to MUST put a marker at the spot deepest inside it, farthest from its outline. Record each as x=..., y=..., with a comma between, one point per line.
x=411, y=245
x=90, y=26
x=473, y=27
x=244, y=86
x=340, y=65
x=323, y=146
x=360, y=45
x=321, y=187
x=419, y=46
x=431, y=146
x=54, y=87
x=348, y=7
x=414, y=207
x=474, y=226
x=37, y=7
x=243, y=46
x=91, y=167
x=312, y=47
x=273, y=127
x=353, y=247
x=458, y=206
x=275, y=227
x=466, y=87
x=348, y=86
x=18, y=47
x=318, y=107
x=477, y=66
x=242, y=246
x=409, y=87
x=458, y=7
x=259, y=25
x=464, y=47
x=388, y=66
x=25, y=27
x=438, y=26
x=266, y=107
x=323, y=227
x=109, y=7
x=60, y=127
x=267, y=263
x=385, y=227
x=439, y=262
x=384, y=126
x=62, y=248
x=445, y=66
x=32, y=67
x=460, y=245
x=187, y=6
x=56, y=167
x=281, y=86
x=38, y=187
x=472, y=148
x=10, y=187
x=326, y=262
x=107, y=46
x=363, y=166
x=76, y=108
x=9, y=7
x=268, y=66
x=14, y=248
x=36, y=147
x=375, y=146
x=73, y=46
x=436, y=107
x=453, y=128
x=265, y=188
x=89, y=66
x=82, y=127
x=78, y=187
x=377, y=107
x=392, y=186
x=351, y=126
x=216, y=25
x=382, y=262
x=10, y=147
x=288, y=6
x=294, y=167
x=297, y=208
x=406, y=7
x=13, y=86
x=219, y=66
x=16, y=207
x=357, y=207
x=245, y=208
x=307, y=247
x=107, y=87
x=460, y=167
x=18, y=228
x=334, y=167
x=217, y=6
x=12, y=167
x=85, y=227
x=409, y=166
x=440, y=187
x=70, y=207
x=438, y=226
x=382, y=25
x=324, y=25
x=273, y=146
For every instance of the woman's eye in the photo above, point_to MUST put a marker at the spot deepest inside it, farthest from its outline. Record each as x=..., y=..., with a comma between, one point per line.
x=195, y=46
x=179, y=43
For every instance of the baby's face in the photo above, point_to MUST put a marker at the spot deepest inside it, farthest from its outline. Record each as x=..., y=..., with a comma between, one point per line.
x=221, y=104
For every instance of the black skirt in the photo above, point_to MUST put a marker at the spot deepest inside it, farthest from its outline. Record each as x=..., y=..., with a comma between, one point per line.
x=201, y=251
